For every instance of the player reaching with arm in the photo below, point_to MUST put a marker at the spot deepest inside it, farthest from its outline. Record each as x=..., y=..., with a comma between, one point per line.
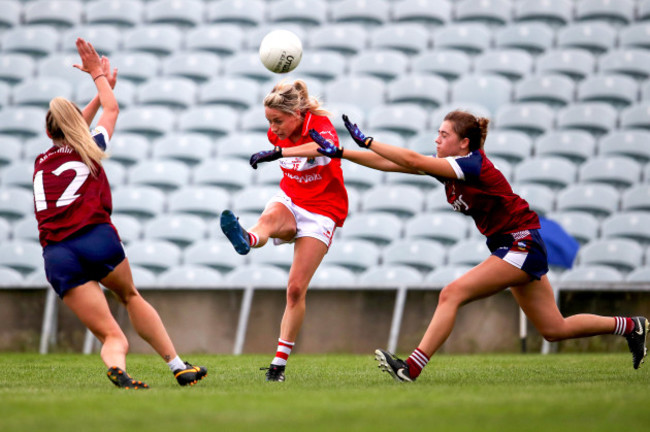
x=518, y=257
x=312, y=202
x=81, y=247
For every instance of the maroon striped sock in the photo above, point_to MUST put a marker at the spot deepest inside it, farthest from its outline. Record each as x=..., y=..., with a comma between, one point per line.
x=417, y=361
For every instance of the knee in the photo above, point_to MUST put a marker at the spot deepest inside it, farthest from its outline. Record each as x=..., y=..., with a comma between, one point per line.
x=553, y=333
x=451, y=294
x=296, y=294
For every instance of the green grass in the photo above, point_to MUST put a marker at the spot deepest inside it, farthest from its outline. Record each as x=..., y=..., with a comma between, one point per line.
x=581, y=392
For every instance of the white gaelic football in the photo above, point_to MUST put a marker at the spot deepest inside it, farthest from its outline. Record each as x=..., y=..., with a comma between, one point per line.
x=281, y=51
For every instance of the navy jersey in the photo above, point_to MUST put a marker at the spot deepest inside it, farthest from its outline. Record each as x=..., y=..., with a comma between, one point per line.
x=482, y=192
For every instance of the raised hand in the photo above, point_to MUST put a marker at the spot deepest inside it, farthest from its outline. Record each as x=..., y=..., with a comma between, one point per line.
x=90, y=61
x=266, y=156
x=111, y=74
x=355, y=132
x=327, y=148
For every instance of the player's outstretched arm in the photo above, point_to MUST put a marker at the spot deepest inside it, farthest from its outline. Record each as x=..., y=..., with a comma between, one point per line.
x=93, y=106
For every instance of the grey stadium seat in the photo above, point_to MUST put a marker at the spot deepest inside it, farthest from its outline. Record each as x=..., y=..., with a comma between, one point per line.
x=472, y=38
x=511, y=63
x=573, y=62
x=632, y=225
x=180, y=229
x=148, y=121
x=58, y=14
x=636, y=198
x=154, y=255
x=10, y=149
x=172, y=92
x=636, y=116
x=105, y=38
x=427, y=12
x=40, y=91
x=204, y=201
x=188, y=276
x=124, y=93
x=242, y=145
x=189, y=148
x=553, y=12
x=59, y=65
x=142, y=202
x=582, y=226
x=35, y=40
x=616, y=90
x=384, y=64
x=216, y=254
x=641, y=274
x=246, y=13
x=185, y=14
x=356, y=255
x=11, y=13
x=366, y=92
x=620, y=12
x=305, y=13
x=404, y=201
x=16, y=203
x=16, y=67
x=511, y=145
x=377, y=227
x=197, y=66
x=490, y=12
x=347, y=39
x=136, y=67
x=551, y=171
x=597, y=199
x=128, y=148
x=448, y=63
x=575, y=145
x=369, y=14
x=631, y=143
x=596, y=36
x=231, y=174
x=115, y=172
x=540, y=198
x=470, y=251
x=428, y=91
x=257, y=275
x=490, y=91
x=592, y=273
x=158, y=39
x=622, y=254
x=246, y=64
x=219, y=39
x=214, y=121
x=407, y=38
x=236, y=92
x=406, y=119
x=360, y=177
x=634, y=62
x=120, y=13
x=444, y=227
x=128, y=227
x=555, y=90
x=253, y=199
x=164, y=174
x=533, y=118
x=333, y=275
x=278, y=256
x=445, y=275
x=597, y=118
x=420, y=254
x=390, y=275
x=143, y=277
x=635, y=35
x=10, y=277
x=22, y=256
x=618, y=171
x=324, y=65
x=534, y=37
x=18, y=174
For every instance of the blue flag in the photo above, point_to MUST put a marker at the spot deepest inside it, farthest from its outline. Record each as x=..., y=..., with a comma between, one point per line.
x=561, y=247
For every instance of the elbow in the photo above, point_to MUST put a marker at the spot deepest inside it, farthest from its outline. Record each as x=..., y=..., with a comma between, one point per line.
x=412, y=161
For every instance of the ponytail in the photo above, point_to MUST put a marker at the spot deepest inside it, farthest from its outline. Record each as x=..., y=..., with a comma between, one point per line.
x=293, y=97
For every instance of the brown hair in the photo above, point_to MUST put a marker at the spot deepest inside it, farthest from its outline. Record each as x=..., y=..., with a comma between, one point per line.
x=293, y=97
x=466, y=125
x=65, y=122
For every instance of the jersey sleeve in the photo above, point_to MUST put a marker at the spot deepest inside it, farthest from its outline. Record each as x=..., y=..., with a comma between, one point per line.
x=100, y=135
x=468, y=167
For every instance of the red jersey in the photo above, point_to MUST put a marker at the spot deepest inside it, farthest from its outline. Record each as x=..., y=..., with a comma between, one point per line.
x=315, y=184
x=482, y=192
x=67, y=197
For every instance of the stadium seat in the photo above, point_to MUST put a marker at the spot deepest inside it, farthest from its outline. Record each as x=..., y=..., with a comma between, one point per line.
x=5, y=230
x=246, y=64
x=241, y=145
x=231, y=174
x=236, y=92
x=471, y=38
x=591, y=273
x=622, y=254
x=490, y=91
x=510, y=63
x=214, y=121
x=106, y=39
x=424, y=142
x=37, y=278
x=438, y=115
x=635, y=35
x=59, y=65
x=582, y=226
x=154, y=255
x=428, y=91
x=421, y=254
x=490, y=12
x=390, y=275
x=636, y=198
x=632, y=143
x=436, y=201
x=553, y=12
x=128, y=148
x=619, y=13
x=356, y=255
x=616, y=90
x=142, y=202
x=244, y=13
x=33, y=147
x=444, y=275
x=634, y=62
x=258, y=275
x=575, y=145
x=595, y=36
x=347, y=39
x=323, y=65
x=511, y=145
x=11, y=14
x=180, y=229
x=533, y=118
x=218, y=39
x=403, y=201
x=35, y=40
x=166, y=175
x=305, y=13
x=360, y=177
x=204, y=201
x=128, y=227
x=269, y=175
x=10, y=150
x=189, y=276
x=182, y=14
x=40, y=91
x=618, y=171
x=136, y=67
x=86, y=90
x=450, y=64
x=22, y=256
x=407, y=38
x=197, y=66
x=4, y=94
x=406, y=119
x=597, y=118
x=540, y=198
x=554, y=90
x=280, y=256
x=120, y=13
x=423, y=182
x=189, y=148
x=431, y=13
x=148, y=121
x=253, y=199
x=552, y=171
x=143, y=278
x=16, y=203
x=504, y=166
x=333, y=276
x=645, y=91
x=254, y=36
x=470, y=251
x=253, y=120
x=384, y=64
x=10, y=277
x=533, y=37
x=158, y=39
x=573, y=62
x=641, y=274
x=172, y=92
x=377, y=227
x=366, y=92
x=18, y=174
x=446, y=228
x=115, y=172
x=369, y=14
x=636, y=116
x=216, y=254
x=632, y=225
x=643, y=12
x=58, y=14
x=597, y=199
x=16, y=67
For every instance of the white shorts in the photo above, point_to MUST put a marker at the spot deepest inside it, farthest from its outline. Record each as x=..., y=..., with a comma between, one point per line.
x=308, y=224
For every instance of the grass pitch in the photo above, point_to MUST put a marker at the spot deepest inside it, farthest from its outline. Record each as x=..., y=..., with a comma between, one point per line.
x=584, y=392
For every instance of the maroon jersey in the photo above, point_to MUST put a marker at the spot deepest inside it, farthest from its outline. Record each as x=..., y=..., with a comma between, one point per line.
x=67, y=197
x=482, y=192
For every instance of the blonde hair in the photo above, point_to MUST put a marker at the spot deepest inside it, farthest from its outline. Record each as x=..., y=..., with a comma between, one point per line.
x=65, y=122
x=466, y=125
x=293, y=97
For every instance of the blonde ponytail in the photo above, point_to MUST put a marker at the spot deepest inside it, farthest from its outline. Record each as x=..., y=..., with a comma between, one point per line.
x=65, y=122
x=293, y=97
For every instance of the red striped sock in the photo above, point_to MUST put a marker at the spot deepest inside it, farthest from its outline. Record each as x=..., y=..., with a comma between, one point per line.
x=417, y=361
x=253, y=239
x=624, y=325
x=283, y=352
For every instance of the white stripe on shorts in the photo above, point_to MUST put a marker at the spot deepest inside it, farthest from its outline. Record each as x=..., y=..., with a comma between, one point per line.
x=516, y=258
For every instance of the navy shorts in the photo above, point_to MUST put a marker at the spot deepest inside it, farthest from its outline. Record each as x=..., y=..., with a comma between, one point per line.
x=523, y=249
x=88, y=256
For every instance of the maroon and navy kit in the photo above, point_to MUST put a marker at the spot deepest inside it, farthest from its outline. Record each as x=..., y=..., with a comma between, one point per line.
x=511, y=227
